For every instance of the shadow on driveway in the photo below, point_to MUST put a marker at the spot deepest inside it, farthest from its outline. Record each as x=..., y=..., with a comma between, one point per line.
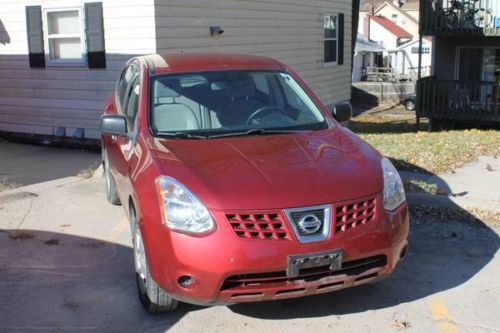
x=53, y=281
x=442, y=255
x=24, y=164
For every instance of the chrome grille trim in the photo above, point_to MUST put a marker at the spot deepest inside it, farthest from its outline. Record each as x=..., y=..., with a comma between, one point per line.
x=324, y=231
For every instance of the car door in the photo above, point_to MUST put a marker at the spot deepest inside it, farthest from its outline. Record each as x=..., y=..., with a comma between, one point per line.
x=119, y=149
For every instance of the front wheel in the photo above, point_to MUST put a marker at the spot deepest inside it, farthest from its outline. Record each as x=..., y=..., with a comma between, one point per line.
x=152, y=297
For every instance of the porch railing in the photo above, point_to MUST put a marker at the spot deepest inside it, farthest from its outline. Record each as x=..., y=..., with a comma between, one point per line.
x=458, y=100
x=460, y=17
x=379, y=74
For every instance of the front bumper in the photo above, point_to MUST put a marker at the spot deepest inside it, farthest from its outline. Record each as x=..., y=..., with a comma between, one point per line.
x=228, y=269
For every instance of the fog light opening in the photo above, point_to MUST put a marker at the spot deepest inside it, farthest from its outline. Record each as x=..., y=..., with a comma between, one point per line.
x=186, y=281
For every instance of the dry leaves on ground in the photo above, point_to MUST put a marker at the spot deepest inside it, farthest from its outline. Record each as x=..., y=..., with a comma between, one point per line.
x=433, y=152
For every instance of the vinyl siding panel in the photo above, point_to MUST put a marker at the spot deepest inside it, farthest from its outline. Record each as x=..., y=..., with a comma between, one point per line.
x=41, y=100
x=288, y=30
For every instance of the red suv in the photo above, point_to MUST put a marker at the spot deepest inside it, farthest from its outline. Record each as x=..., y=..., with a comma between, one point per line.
x=241, y=186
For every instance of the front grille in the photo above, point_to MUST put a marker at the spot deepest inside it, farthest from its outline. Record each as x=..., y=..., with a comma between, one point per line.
x=310, y=224
x=354, y=214
x=350, y=268
x=270, y=226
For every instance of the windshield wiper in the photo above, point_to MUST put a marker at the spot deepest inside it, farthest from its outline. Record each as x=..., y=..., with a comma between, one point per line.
x=254, y=131
x=181, y=135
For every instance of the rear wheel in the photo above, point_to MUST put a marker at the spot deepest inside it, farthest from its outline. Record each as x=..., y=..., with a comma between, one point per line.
x=111, y=193
x=152, y=297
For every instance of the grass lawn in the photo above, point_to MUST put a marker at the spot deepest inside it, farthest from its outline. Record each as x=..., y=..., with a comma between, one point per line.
x=396, y=137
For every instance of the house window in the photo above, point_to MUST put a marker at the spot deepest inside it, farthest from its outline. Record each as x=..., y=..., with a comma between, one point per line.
x=330, y=28
x=64, y=37
x=425, y=50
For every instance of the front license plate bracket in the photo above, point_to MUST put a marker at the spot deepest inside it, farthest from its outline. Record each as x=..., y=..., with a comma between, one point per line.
x=332, y=259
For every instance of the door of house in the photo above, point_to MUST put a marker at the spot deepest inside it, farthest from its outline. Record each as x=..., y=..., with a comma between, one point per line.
x=470, y=63
x=478, y=70
x=470, y=67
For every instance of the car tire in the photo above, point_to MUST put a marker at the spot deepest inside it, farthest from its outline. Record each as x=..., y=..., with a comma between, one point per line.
x=410, y=105
x=153, y=298
x=111, y=193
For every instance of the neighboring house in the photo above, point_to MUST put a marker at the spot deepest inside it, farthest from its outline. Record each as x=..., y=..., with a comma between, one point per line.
x=394, y=25
x=411, y=8
x=400, y=48
x=405, y=58
x=367, y=54
x=387, y=33
x=407, y=20
x=59, y=59
x=465, y=85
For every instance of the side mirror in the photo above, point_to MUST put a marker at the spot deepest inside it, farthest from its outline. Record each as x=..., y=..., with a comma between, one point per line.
x=114, y=125
x=342, y=112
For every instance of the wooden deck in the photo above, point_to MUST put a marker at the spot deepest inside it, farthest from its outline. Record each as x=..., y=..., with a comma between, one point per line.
x=458, y=100
x=458, y=18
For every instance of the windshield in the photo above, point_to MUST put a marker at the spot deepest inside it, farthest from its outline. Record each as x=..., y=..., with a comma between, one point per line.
x=231, y=102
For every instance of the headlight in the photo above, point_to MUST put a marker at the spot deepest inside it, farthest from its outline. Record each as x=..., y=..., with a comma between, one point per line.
x=181, y=210
x=394, y=193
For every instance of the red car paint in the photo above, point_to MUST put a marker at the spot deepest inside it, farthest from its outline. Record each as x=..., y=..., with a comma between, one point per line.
x=256, y=174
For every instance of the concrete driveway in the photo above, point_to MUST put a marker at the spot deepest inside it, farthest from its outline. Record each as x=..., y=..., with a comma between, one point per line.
x=22, y=164
x=66, y=265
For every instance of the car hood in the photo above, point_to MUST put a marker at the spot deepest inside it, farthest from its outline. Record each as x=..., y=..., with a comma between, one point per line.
x=272, y=171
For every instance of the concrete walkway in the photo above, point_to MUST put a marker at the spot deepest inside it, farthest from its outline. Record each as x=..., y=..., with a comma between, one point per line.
x=475, y=185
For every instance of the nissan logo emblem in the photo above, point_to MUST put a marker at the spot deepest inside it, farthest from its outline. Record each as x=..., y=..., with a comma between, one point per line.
x=309, y=224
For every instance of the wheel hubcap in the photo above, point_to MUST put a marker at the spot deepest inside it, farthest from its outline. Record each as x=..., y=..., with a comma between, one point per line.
x=140, y=257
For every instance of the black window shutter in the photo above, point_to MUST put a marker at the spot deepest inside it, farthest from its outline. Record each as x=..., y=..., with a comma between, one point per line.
x=94, y=29
x=35, y=36
x=340, y=59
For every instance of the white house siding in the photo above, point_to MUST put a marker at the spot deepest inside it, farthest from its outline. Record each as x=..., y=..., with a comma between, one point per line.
x=426, y=58
x=288, y=30
x=401, y=19
x=382, y=36
x=413, y=13
x=39, y=100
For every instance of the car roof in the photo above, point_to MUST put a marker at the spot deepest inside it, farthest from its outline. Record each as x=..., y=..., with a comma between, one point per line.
x=189, y=62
